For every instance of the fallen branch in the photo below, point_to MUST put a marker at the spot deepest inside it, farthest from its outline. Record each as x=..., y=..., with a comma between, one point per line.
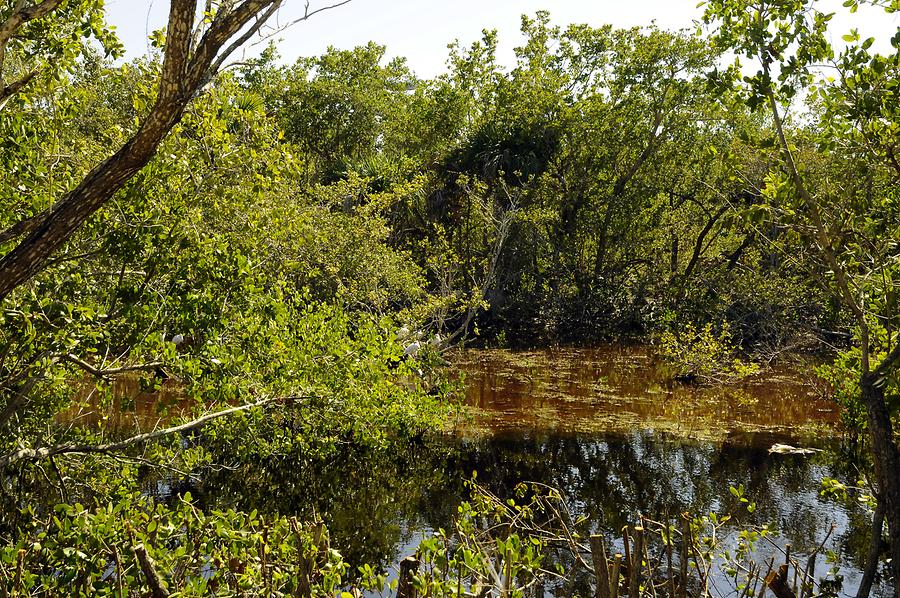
x=33, y=454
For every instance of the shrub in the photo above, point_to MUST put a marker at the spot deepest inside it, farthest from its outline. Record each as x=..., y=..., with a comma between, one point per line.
x=704, y=356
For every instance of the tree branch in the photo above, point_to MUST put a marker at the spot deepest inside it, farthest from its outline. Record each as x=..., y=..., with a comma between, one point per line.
x=15, y=87
x=698, y=244
x=886, y=366
x=148, y=567
x=23, y=227
x=24, y=14
x=307, y=14
x=33, y=454
x=221, y=30
x=178, y=47
x=182, y=73
x=176, y=89
x=106, y=373
x=821, y=233
x=260, y=21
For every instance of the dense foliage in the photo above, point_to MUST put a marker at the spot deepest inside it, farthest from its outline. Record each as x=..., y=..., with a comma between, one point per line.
x=291, y=218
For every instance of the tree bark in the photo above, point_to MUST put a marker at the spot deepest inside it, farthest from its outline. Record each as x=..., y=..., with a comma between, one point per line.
x=886, y=459
x=148, y=568
x=23, y=227
x=68, y=214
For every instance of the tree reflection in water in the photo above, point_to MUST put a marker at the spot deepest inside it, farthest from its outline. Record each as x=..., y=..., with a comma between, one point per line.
x=377, y=504
x=605, y=426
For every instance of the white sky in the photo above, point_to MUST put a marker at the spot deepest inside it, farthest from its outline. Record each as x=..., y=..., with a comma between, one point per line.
x=421, y=29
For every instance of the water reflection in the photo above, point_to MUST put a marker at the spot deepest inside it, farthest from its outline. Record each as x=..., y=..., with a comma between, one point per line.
x=613, y=478
x=377, y=505
x=128, y=404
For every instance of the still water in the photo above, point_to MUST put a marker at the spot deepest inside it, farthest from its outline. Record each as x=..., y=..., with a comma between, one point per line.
x=609, y=429
x=624, y=388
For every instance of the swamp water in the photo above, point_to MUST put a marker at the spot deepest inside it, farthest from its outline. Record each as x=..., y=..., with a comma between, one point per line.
x=605, y=426
x=609, y=429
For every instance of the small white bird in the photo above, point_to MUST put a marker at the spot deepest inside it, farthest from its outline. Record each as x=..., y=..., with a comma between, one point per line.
x=412, y=349
x=436, y=340
x=402, y=333
x=177, y=339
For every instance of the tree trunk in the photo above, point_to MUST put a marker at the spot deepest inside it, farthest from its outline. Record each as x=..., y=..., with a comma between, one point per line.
x=183, y=73
x=886, y=459
x=176, y=87
x=29, y=257
x=865, y=586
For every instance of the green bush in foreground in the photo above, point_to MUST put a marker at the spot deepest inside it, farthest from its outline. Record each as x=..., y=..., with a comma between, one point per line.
x=511, y=547
x=138, y=544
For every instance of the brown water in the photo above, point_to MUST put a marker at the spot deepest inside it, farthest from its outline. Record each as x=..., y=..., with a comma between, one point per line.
x=622, y=388
x=607, y=426
x=126, y=405
x=615, y=388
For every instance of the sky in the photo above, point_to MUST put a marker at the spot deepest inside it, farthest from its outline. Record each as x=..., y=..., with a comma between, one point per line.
x=421, y=29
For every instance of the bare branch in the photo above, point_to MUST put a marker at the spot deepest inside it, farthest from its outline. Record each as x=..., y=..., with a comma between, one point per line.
x=109, y=372
x=260, y=21
x=307, y=14
x=64, y=449
x=221, y=30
